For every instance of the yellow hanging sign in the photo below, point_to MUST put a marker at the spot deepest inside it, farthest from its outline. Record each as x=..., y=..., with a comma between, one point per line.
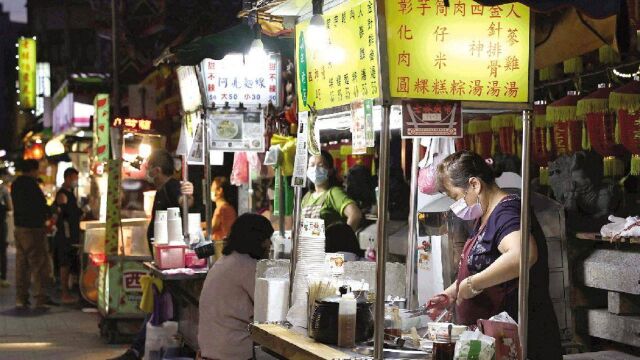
x=27, y=73
x=344, y=68
x=465, y=51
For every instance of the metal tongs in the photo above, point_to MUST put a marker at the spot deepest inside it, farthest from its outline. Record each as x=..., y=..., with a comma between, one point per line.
x=423, y=309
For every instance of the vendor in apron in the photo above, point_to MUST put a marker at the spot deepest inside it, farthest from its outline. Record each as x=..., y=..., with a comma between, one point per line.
x=487, y=281
x=327, y=200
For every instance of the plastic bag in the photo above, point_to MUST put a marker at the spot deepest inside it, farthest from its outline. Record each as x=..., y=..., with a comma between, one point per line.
x=240, y=171
x=160, y=339
x=474, y=345
x=427, y=180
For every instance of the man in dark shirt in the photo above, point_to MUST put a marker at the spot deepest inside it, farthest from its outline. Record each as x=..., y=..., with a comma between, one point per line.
x=68, y=216
x=30, y=214
x=169, y=193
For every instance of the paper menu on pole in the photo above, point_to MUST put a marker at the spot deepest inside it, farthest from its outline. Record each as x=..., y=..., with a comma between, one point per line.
x=312, y=228
x=358, y=134
x=299, y=178
x=369, y=133
x=196, y=152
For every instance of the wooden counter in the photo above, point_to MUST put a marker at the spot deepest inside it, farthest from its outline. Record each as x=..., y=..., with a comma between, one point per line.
x=292, y=344
x=93, y=224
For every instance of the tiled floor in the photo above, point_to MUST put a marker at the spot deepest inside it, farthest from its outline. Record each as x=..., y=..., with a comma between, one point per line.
x=64, y=333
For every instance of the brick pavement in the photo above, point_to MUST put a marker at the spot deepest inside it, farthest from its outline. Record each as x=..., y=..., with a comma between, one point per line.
x=64, y=333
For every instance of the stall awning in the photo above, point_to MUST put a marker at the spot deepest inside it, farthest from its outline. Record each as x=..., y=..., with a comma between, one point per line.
x=236, y=39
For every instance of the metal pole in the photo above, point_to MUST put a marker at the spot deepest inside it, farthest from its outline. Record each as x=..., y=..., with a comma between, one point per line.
x=523, y=281
x=207, y=173
x=281, y=207
x=294, y=238
x=185, y=204
x=250, y=191
x=115, y=103
x=381, y=239
x=413, y=233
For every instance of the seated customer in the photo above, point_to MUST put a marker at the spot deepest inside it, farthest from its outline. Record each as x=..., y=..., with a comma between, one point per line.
x=226, y=300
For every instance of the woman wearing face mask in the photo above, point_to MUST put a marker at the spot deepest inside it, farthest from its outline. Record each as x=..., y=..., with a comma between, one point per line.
x=487, y=282
x=328, y=201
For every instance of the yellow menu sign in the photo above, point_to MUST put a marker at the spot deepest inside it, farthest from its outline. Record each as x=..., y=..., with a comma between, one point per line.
x=344, y=69
x=465, y=51
x=27, y=72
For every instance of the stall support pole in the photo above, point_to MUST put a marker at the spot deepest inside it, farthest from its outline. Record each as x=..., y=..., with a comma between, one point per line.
x=207, y=173
x=381, y=240
x=185, y=203
x=250, y=192
x=411, y=295
x=281, y=204
x=294, y=238
x=525, y=224
x=115, y=102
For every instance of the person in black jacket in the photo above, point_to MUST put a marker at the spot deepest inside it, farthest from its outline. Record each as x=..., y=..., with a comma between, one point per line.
x=30, y=213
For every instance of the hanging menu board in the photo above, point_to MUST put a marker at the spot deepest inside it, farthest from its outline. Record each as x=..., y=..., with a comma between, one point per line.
x=235, y=79
x=344, y=70
x=465, y=51
x=233, y=131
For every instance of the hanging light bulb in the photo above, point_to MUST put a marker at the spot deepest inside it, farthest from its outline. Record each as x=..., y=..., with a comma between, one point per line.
x=317, y=35
x=257, y=57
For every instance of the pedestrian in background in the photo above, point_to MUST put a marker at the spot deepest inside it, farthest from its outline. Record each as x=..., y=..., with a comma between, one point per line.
x=5, y=206
x=30, y=214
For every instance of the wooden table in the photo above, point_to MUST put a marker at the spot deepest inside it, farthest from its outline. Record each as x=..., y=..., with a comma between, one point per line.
x=598, y=237
x=294, y=344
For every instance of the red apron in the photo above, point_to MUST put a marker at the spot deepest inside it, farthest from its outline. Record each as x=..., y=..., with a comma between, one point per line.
x=487, y=304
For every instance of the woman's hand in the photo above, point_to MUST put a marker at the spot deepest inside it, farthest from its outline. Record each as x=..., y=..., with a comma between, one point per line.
x=438, y=304
x=464, y=292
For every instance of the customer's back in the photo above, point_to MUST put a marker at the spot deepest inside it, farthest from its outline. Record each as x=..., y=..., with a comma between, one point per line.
x=29, y=204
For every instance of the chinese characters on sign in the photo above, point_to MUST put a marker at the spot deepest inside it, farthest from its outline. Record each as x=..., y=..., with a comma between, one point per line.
x=465, y=51
x=232, y=81
x=27, y=73
x=346, y=69
x=236, y=131
x=133, y=125
x=431, y=118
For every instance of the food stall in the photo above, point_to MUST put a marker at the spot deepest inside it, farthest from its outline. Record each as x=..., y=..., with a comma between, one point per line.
x=335, y=81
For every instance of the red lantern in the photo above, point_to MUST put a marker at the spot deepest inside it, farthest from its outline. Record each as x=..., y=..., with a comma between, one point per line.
x=481, y=137
x=601, y=125
x=625, y=102
x=567, y=128
x=504, y=136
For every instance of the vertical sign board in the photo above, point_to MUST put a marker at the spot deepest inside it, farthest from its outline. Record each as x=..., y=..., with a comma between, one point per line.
x=27, y=72
x=344, y=70
x=465, y=51
x=101, y=128
x=43, y=85
x=189, y=89
x=235, y=80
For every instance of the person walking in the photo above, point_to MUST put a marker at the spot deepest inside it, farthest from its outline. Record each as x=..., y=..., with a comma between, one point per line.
x=68, y=216
x=5, y=206
x=30, y=214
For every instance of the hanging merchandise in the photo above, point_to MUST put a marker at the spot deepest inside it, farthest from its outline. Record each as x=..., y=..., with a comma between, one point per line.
x=601, y=129
x=566, y=126
x=625, y=103
x=288, y=147
x=504, y=137
x=542, y=140
x=240, y=171
x=437, y=150
x=480, y=131
x=288, y=195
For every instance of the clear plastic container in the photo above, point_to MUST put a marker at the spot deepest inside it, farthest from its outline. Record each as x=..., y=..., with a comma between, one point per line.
x=347, y=321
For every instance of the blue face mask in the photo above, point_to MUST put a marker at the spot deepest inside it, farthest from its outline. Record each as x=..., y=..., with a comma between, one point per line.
x=318, y=175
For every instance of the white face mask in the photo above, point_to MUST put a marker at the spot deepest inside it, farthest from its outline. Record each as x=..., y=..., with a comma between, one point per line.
x=465, y=211
x=317, y=175
x=150, y=178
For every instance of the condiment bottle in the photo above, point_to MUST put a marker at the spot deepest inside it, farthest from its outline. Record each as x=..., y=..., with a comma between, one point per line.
x=347, y=321
x=393, y=322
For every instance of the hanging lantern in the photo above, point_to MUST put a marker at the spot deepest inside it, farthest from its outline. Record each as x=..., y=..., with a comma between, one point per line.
x=504, y=137
x=573, y=65
x=551, y=72
x=567, y=129
x=600, y=128
x=480, y=131
x=608, y=55
x=625, y=103
x=542, y=140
